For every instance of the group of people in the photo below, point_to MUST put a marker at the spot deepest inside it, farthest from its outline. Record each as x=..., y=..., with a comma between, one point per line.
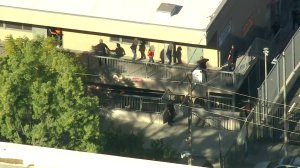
x=103, y=50
x=176, y=55
x=172, y=54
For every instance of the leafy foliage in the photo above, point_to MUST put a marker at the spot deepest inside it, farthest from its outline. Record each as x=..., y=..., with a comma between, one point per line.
x=43, y=100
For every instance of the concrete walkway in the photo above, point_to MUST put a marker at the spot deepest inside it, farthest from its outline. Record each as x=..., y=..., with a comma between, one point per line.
x=205, y=140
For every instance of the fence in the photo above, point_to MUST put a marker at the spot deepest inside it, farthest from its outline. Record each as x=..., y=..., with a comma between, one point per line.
x=134, y=103
x=172, y=73
x=239, y=149
x=244, y=64
x=271, y=88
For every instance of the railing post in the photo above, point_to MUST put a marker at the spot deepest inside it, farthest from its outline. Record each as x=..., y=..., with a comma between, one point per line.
x=234, y=79
x=293, y=54
x=146, y=70
x=141, y=104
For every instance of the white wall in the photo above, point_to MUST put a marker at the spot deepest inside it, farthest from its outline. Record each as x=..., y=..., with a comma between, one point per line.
x=41, y=157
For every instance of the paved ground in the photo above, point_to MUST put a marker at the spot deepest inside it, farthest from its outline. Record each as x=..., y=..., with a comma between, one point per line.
x=206, y=141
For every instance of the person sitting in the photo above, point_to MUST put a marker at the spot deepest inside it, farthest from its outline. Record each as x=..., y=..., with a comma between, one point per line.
x=120, y=52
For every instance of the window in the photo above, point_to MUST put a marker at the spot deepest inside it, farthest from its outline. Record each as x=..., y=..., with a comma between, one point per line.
x=127, y=40
x=115, y=39
x=13, y=25
x=1, y=24
x=27, y=27
x=121, y=39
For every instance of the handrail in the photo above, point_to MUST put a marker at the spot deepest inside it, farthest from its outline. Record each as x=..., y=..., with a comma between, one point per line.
x=166, y=72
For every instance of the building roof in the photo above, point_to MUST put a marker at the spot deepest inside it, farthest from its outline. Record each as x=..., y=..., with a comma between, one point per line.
x=194, y=14
x=42, y=157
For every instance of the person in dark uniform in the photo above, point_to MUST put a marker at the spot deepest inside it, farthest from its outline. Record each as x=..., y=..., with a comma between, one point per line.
x=101, y=49
x=171, y=110
x=120, y=52
x=231, y=58
x=142, y=49
x=177, y=54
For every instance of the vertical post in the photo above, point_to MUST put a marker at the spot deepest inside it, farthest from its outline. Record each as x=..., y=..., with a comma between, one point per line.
x=141, y=104
x=266, y=104
x=284, y=108
x=190, y=118
x=259, y=115
x=220, y=149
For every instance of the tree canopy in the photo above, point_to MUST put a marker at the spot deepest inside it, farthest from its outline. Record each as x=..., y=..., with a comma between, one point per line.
x=42, y=98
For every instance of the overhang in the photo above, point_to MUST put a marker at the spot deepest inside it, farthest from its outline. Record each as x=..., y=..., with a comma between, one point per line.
x=136, y=18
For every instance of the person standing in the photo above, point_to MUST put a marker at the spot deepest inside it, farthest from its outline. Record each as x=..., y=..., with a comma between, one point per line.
x=101, y=49
x=231, y=58
x=203, y=67
x=162, y=56
x=142, y=49
x=57, y=34
x=177, y=54
x=169, y=53
x=151, y=54
x=171, y=110
x=133, y=48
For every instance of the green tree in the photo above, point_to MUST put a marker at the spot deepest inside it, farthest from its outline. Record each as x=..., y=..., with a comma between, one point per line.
x=42, y=99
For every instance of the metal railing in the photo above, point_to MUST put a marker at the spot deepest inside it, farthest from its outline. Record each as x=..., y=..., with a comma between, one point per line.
x=134, y=103
x=157, y=71
x=275, y=77
x=244, y=64
x=144, y=70
x=239, y=148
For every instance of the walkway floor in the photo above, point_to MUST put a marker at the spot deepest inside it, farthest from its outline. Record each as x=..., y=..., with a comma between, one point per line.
x=205, y=140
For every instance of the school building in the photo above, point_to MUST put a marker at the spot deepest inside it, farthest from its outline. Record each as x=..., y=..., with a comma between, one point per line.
x=84, y=23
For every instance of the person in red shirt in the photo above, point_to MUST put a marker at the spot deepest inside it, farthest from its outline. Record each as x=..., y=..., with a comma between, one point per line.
x=151, y=54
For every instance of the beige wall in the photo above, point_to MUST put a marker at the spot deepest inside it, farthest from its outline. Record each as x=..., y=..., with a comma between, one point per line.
x=15, y=33
x=92, y=24
x=213, y=57
x=79, y=41
x=84, y=42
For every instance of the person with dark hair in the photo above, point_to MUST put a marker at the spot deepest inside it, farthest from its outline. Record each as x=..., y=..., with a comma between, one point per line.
x=119, y=51
x=142, y=49
x=231, y=58
x=169, y=53
x=101, y=49
x=177, y=54
x=171, y=110
x=57, y=34
x=133, y=48
x=203, y=67
x=151, y=54
x=162, y=56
